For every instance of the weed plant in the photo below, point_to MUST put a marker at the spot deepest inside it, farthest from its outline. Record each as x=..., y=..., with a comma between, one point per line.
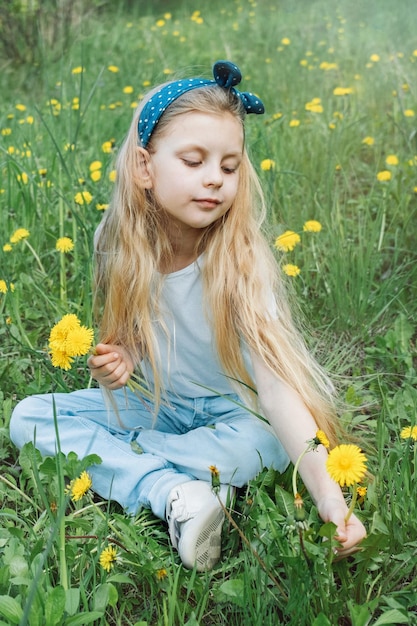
x=338, y=145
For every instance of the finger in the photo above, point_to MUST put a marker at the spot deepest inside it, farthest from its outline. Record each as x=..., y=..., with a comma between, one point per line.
x=109, y=360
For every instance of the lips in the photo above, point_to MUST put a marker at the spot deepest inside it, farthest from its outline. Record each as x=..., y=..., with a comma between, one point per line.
x=209, y=203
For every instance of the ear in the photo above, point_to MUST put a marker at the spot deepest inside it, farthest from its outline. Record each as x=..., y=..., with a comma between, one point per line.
x=143, y=160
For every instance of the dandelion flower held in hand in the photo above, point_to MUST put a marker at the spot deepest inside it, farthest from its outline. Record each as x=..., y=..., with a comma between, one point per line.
x=409, y=432
x=79, y=486
x=346, y=464
x=69, y=339
x=322, y=439
x=79, y=340
x=108, y=558
x=61, y=359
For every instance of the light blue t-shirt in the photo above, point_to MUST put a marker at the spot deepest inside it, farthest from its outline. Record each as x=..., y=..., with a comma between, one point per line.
x=188, y=353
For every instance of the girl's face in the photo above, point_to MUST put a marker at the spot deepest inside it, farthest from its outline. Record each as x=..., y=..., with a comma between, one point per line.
x=194, y=170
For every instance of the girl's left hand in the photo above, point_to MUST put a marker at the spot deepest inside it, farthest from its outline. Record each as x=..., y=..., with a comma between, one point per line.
x=349, y=533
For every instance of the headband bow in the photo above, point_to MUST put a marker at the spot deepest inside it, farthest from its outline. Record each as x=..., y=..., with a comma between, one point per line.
x=226, y=75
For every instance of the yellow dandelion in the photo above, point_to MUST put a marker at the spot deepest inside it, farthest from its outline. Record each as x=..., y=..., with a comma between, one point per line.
x=19, y=234
x=3, y=286
x=375, y=58
x=7, y=247
x=384, y=176
x=61, y=359
x=108, y=558
x=287, y=241
x=392, y=159
x=161, y=574
x=78, y=70
x=294, y=123
x=64, y=244
x=361, y=491
x=21, y=107
x=79, y=340
x=291, y=270
x=107, y=146
x=83, y=197
x=160, y=23
x=102, y=207
x=95, y=165
x=321, y=437
x=285, y=41
x=79, y=486
x=409, y=432
x=215, y=478
x=342, y=91
x=409, y=113
x=312, y=226
x=368, y=141
x=95, y=176
x=128, y=89
x=112, y=176
x=346, y=464
x=267, y=164
x=59, y=332
x=113, y=68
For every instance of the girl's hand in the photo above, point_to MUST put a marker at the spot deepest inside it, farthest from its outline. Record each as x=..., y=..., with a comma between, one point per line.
x=110, y=366
x=349, y=533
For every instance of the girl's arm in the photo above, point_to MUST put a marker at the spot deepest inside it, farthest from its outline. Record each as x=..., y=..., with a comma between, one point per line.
x=294, y=425
x=111, y=365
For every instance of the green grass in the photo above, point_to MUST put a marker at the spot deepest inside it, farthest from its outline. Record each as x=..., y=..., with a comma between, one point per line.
x=356, y=293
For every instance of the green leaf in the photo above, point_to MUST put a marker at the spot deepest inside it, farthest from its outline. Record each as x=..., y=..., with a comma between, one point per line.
x=234, y=590
x=105, y=595
x=284, y=501
x=54, y=606
x=321, y=620
x=10, y=609
x=393, y=616
x=82, y=619
x=72, y=600
x=359, y=614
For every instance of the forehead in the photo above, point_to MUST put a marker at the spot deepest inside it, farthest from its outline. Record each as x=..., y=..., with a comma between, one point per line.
x=195, y=127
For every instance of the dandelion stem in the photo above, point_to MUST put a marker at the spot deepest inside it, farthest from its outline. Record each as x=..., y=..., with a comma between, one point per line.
x=62, y=273
x=353, y=503
x=35, y=255
x=295, y=471
x=254, y=552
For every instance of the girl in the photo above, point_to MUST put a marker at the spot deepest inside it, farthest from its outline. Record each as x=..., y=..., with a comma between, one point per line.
x=188, y=292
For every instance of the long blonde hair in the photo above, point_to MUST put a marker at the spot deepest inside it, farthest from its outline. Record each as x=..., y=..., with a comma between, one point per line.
x=239, y=272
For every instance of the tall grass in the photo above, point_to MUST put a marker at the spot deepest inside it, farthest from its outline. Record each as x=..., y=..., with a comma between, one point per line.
x=356, y=292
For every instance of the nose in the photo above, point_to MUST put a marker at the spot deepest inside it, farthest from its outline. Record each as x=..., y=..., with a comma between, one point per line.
x=213, y=176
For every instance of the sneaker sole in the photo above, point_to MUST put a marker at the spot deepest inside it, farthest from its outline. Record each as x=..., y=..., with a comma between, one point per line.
x=201, y=544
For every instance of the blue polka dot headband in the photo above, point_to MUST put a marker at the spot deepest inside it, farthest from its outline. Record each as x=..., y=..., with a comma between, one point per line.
x=226, y=75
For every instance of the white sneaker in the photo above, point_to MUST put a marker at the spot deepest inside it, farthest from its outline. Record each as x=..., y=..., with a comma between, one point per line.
x=195, y=519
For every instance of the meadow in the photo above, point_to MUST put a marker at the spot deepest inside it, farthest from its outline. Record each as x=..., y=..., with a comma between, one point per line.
x=337, y=146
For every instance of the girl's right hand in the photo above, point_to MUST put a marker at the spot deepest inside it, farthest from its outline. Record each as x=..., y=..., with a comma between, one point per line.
x=110, y=366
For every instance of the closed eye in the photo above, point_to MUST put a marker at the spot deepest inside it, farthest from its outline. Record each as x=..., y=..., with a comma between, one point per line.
x=190, y=163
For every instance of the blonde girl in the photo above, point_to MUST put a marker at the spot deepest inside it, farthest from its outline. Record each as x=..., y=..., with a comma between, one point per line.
x=188, y=292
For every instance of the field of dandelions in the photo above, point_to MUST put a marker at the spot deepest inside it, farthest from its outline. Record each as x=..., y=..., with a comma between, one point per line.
x=337, y=155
